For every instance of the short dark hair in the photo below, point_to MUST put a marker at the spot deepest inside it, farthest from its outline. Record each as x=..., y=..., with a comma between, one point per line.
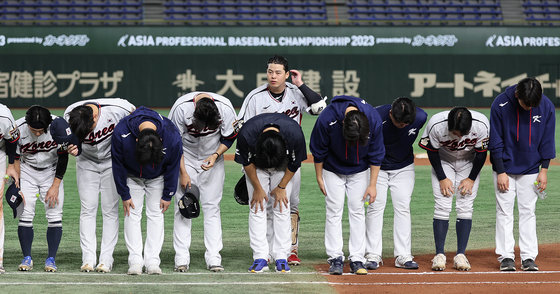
x=38, y=117
x=271, y=151
x=529, y=91
x=459, y=119
x=403, y=110
x=277, y=59
x=149, y=148
x=206, y=115
x=81, y=121
x=355, y=127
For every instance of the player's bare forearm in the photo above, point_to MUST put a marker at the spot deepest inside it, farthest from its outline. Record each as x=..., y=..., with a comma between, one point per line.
x=371, y=190
x=319, y=176
x=280, y=197
x=288, y=175
x=211, y=160
x=164, y=205
x=52, y=193
x=259, y=195
x=184, y=178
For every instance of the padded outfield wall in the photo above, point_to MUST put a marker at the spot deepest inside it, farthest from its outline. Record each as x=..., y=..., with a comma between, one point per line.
x=437, y=67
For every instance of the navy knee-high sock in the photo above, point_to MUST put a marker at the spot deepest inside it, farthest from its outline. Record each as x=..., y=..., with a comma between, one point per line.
x=440, y=233
x=54, y=234
x=463, y=227
x=25, y=235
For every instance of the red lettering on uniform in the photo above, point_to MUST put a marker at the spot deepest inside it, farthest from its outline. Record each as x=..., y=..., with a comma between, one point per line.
x=100, y=135
x=41, y=147
x=453, y=145
x=294, y=112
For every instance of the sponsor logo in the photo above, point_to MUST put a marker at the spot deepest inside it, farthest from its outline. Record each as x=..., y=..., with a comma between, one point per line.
x=412, y=131
x=504, y=104
x=125, y=135
x=537, y=118
x=332, y=123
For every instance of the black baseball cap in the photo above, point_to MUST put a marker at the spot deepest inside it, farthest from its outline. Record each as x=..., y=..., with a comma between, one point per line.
x=15, y=200
x=62, y=135
x=189, y=205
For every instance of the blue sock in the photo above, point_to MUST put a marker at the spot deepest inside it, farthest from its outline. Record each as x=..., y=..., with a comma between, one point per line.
x=440, y=233
x=463, y=227
x=54, y=234
x=25, y=235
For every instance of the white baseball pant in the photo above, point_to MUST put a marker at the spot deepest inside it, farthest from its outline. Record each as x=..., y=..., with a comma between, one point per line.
x=401, y=184
x=2, y=174
x=522, y=187
x=94, y=181
x=258, y=229
x=33, y=181
x=456, y=172
x=337, y=187
x=152, y=189
x=210, y=183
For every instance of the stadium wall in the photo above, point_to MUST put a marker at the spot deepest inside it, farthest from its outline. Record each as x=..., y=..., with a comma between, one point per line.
x=436, y=66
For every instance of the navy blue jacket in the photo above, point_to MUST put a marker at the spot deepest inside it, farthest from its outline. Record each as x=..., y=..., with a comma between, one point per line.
x=520, y=138
x=328, y=145
x=123, y=146
x=398, y=142
x=289, y=129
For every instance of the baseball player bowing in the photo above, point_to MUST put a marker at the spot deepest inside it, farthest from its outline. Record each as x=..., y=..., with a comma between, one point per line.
x=456, y=142
x=271, y=147
x=347, y=147
x=93, y=122
x=280, y=96
x=146, y=153
x=42, y=164
x=9, y=135
x=205, y=122
x=522, y=140
x=402, y=122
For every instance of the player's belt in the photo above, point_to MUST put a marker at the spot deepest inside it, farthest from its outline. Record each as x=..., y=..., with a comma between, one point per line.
x=40, y=168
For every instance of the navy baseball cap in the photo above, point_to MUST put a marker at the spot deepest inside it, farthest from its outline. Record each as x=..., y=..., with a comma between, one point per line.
x=62, y=135
x=15, y=200
x=189, y=206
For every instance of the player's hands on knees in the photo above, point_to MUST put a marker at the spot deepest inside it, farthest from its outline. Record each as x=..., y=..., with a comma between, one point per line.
x=446, y=187
x=321, y=185
x=371, y=191
x=72, y=150
x=52, y=196
x=280, y=198
x=259, y=196
x=127, y=205
x=466, y=186
x=296, y=78
x=164, y=205
x=185, y=181
x=542, y=179
x=209, y=162
x=503, y=182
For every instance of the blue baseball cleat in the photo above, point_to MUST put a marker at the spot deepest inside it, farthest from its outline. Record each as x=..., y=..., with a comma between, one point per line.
x=50, y=265
x=26, y=264
x=282, y=266
x=259, y=265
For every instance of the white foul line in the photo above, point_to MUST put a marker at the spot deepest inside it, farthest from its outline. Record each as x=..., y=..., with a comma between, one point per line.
x=269, y=283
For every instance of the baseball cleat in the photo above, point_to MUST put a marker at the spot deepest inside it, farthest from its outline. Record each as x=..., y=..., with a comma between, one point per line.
x=2, y=270
x=529, y=265
x=293, y=259
x=406, y=262
x=153, y=270
x=357, y=267
x=438, y=263
x=336, y=266
x=460, y=262
x=181, y=268
x=86, y=268
x=135, y=269
x=50, y=265
x=216, y=268
x=507, y=265
x=26, y=264
x=282, y=266
x=373, y=261
x=259, y=265
x=102, y=268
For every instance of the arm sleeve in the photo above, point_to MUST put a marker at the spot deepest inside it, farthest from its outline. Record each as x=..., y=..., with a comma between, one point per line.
x=119, y=171
x=300, y=151
x=545, y=163
x=433, y=156
x=319, y=141
x=478, y=163
x=309, y=95
x=61, y=164
x=227, y=129
x=171, y=175
x=547, y=148
x=11, y=147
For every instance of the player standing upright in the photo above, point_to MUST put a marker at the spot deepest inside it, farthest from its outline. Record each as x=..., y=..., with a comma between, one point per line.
x=42, y=164
x=291, y=99
x=93, y=122
x=9, y=135
x=347, y=147
x=456, y=142
x=205, y=121
x=522, y=140
x=146, y=154
x=402, y=122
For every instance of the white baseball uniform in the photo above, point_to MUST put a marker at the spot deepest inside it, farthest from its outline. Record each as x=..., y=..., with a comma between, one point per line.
x=457, y=154
x=197, y=146
x=94, y=176
x=10, y=132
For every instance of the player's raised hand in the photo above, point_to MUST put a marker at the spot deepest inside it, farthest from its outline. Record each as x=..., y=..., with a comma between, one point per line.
x=296, y=78
x=72, y=150
x=371, y=191
x=503, y=182
x=259, y=196
x=164, y=205
x=52, y=196
x=446, y=187
x=280, y=197
x=127, y=204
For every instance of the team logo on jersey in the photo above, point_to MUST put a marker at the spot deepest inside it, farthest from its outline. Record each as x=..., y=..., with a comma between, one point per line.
x=412, y=131
x=200, y=133
x=485, y=143
x=237, y=125
x=14, y=133
x=266, y=107
x=294, y=112
x=125, y=135
x=101, y=135
x=455, y=145
x=537, y=118
x=332, y=122
x=503, y=104
x=425, y=141
x=34, y=147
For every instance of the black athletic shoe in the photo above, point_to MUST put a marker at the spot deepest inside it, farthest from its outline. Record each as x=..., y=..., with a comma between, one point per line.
x=529, y=265
x=507, y=265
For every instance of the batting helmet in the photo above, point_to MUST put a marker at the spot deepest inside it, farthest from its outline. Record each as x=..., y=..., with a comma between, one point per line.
x=189, y=206
x=15, y=200
x=240, y=193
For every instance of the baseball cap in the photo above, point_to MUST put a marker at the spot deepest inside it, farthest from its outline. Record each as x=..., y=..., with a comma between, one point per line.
x=188, y=204
x=62, y=135
x=15, y=200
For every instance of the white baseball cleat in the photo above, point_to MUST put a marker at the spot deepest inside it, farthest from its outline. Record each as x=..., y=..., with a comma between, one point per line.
x=102, y=268
x=460, y=262
x=153, y=270
x=135, y=269
x=438, y=263
x=86, y=268
x=181, y=268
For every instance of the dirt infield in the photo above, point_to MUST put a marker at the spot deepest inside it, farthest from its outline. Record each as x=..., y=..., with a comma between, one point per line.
x=484, y=277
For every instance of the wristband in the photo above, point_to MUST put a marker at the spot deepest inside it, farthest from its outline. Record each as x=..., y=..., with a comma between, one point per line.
x=216, y=154
x=283, y=188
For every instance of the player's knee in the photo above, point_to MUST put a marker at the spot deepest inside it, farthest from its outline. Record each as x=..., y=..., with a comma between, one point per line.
x=464, y=213
x=441, y=214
